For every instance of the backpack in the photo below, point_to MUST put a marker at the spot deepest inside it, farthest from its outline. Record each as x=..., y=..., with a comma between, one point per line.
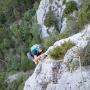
x=35, y=47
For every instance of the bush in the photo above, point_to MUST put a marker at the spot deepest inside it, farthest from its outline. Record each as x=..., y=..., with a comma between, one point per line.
x=50, y=19
x=21, y=36
x=2, y=81
x=82, y=17
x=72, y=26
x=59, y=51
x=48, y=41
x=25, y=63
x=21, y=64
x=17, y=84
x=70, y=7
x=25, y=32
x=35, y=33
x=2, y=18
x=84, y=14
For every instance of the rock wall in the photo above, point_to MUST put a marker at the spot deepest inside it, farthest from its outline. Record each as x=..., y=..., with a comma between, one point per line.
x=57, y=6
x=53, y=74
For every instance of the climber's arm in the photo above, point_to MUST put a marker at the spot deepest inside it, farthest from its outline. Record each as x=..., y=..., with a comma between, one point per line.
x=40, y=57
x=36, y=59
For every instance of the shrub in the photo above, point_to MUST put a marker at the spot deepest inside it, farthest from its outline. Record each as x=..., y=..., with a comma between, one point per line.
x=23, y=64
x=50, y=19
x=25, y=32
x=24, y=35
x=21, y=86
x=28, y=15
x=59, y=51
x=2, y=81
x=17, y=84
x=35, y=32
x=72, y=26
x=2, y=18
x=84, y=14
x=82, y=17
x=48, y=41
x=70, y=7
x=64, y=1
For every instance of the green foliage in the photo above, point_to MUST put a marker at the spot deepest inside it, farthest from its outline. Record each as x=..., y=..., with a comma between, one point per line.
x=16, y=39
x=5, y=39
x=19, y=37
x=25, y=32
x=28, y=15
x=19, y=64
x=82, y=17
x=21, y=86
x=70, y=7
x=2, y=81
x=59, y=51
x=84, y=14
x=36, y=4
x=50, y=19
x=17, y=84
x=25, y=63
x=13, y=10
x=2, y=18
x=55, y=36
x=6, y=42
x=12, y=65
x=35, y=32
x=72, y=26
x=64, y=1
x=22, y=34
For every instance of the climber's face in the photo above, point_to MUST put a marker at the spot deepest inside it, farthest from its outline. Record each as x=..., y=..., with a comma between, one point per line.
x=40, y=50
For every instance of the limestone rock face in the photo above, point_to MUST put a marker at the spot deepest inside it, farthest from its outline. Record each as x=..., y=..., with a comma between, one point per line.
x=76, y=80
x=57, y=6
x=41, y=12
x=66, y=74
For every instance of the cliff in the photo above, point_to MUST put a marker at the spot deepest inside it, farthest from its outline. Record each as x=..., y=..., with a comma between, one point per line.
x=66, y=74
x=71, y=72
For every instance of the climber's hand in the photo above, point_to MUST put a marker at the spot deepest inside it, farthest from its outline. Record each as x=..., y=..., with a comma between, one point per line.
x=36, y=62
x=36, y=59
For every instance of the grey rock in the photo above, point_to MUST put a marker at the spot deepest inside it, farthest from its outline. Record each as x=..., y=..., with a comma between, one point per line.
x=66, y=74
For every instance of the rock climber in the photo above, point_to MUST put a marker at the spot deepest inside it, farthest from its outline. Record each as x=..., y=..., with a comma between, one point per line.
x=35, y=53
